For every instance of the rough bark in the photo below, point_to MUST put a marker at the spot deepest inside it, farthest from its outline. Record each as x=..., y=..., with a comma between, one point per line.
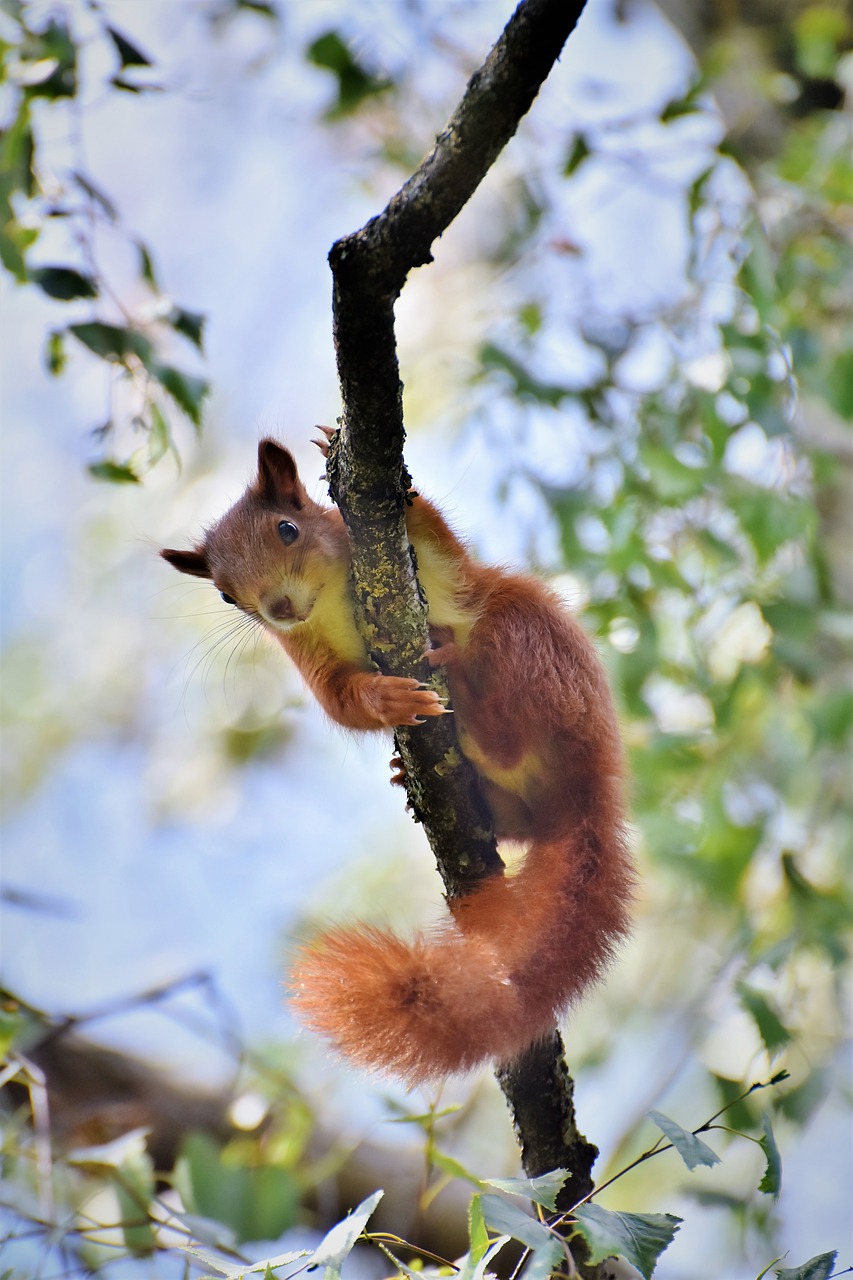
x=368, y=480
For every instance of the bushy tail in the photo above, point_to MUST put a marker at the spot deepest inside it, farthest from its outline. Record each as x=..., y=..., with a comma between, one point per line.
x=484, y=984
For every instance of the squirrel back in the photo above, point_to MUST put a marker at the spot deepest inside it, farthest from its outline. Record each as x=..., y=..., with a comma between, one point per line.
x=534, y=717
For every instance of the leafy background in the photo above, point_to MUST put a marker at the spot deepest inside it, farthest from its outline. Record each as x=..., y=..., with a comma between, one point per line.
x=631, y=367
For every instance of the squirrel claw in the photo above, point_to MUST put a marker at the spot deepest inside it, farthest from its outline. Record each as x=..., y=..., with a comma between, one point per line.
x=398, y=775
x=439, y=696
x=325, y=445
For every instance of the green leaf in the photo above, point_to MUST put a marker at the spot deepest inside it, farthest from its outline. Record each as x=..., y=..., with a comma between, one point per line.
x=127, y=86
x=453, y=1168
x=545, y=1261
x=259, y=1202
x=159, y=439
x=472, y=1268
x=54, y=45
x=579, y=152
x=638, y=1237
x=355, y=83
x=509, y=1220
x=14, y=242
x=259, y=6
x=818, y=1268
x=146, y=265
x=208, y=1259
x=671, y=479
x=112, y=342
x=677, y=108
x=12, y=258
x=232, y=1272
x=771, y=1183
x=12, y=1022
x=187, y=392
x=189, y=323
x=139, y=1237
x=818, y=32
x=55, y=357
x=839, y=385
x=686, y=105
x=338, y=1243
x=758, y=277
x=542, y=1190
x=130, y=1168
x=113, y=472
x=771, y=1028
x=477, y=1233
x=130, y=55
x=769, y=519
x=17, y=152
x=64, y=283
x=832, y=716
x=692, y=1150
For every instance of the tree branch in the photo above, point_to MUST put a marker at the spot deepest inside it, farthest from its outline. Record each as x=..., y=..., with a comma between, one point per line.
x=368, y=481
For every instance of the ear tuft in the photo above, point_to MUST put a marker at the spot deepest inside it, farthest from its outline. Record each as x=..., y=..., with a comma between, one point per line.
x=278, y=480
x=192, y=562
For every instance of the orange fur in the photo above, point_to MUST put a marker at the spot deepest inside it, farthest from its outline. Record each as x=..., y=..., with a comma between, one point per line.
x=535, y=718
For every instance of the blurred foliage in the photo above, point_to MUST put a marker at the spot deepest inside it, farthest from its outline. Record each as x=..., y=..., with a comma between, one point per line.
x=203, y=1212
x=48, y=208
x=708, y=540
x=705, y=538
x=711, y=539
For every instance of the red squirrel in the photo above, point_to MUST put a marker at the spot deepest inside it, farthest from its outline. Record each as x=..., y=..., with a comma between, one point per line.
x=535, y=718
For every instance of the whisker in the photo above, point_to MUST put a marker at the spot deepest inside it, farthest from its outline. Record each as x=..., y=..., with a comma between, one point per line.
x=185, y=657
x=233, y=662
x=239, y=627
x=185, y=587
x=221, y=635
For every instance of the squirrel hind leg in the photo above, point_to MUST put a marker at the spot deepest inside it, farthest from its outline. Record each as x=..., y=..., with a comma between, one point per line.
x=511, y=816
x=398, y=771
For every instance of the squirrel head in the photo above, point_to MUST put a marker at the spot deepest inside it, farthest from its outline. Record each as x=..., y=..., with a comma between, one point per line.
x=273, y=552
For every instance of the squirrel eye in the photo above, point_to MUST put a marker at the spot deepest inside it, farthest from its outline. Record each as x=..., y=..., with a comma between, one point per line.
x=287, y=531
x=228, y=599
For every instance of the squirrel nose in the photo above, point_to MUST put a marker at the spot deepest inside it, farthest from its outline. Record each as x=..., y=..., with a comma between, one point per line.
x=281, y=609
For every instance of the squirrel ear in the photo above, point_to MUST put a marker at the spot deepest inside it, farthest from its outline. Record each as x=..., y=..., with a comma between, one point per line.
x=193, y=562
x=278, y=480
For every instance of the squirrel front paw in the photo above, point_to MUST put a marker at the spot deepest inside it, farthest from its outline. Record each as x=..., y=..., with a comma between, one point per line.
x=399, y=700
